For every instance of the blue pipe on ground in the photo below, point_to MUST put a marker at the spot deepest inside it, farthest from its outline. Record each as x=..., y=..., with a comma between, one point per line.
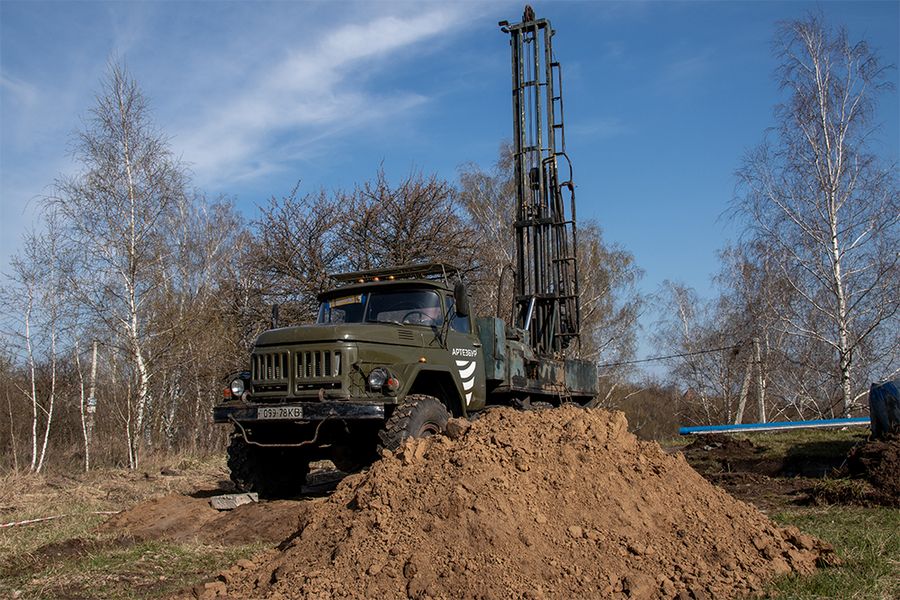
x=778, y=425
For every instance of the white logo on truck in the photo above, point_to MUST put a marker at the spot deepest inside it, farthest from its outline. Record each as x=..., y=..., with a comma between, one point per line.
x=466, y=370
x=467, y=352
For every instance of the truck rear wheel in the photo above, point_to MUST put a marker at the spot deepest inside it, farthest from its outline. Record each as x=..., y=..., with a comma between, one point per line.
x=419, y=416
x=270, y=472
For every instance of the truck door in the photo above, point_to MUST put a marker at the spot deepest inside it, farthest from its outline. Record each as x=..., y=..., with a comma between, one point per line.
x=467, y=357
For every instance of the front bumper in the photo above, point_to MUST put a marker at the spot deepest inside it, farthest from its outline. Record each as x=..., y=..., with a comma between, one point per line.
x=250, y=412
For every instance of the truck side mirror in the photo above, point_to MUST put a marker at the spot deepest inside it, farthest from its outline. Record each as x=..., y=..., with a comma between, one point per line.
x=461, y=299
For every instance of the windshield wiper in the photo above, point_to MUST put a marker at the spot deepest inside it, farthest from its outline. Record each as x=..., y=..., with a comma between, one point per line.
x=390, y=321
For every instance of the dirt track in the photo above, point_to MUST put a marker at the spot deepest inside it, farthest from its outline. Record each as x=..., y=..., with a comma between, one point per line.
x=556, y=504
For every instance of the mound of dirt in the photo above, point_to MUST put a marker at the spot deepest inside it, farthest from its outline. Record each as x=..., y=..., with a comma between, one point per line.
x=182, y=518
x=560, y=503
x=878, y=462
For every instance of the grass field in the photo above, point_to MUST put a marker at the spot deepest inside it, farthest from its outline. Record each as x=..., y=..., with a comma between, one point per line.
x=785, y=474
x=867, y=540
x=68, y=558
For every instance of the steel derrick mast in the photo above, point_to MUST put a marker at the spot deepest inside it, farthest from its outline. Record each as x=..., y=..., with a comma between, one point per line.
x=546, y=277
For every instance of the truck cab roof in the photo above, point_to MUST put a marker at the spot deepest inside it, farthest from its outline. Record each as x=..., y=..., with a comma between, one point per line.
x=430, y=275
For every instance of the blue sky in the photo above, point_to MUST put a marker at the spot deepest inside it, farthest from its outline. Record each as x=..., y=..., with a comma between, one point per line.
x=662, y=99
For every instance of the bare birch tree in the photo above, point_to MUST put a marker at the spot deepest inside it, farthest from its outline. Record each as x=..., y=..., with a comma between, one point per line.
x=709, y=369
x=53, y=264
x=20, y=298
x=113, y=210
x=35, y=300
x=828, y=209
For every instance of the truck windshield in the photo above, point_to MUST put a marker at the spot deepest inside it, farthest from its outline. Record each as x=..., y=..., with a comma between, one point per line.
x=402, y=307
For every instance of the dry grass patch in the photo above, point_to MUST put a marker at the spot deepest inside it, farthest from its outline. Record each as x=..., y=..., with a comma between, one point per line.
x=65, y=556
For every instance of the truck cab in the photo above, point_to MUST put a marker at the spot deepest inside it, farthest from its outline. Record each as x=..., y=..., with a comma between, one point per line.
x=382, y=339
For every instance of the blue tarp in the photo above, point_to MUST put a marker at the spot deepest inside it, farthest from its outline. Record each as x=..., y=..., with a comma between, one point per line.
x=884, y=407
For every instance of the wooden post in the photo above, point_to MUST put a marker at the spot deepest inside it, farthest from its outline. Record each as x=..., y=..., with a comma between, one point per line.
x=760, y=386
x=745, y=388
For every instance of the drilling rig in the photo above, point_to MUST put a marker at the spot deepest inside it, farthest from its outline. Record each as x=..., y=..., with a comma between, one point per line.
x=395, y=352
x=548, y=311
x=547, y=272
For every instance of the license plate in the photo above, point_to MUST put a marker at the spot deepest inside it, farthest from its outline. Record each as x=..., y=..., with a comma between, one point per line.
x=279, y=412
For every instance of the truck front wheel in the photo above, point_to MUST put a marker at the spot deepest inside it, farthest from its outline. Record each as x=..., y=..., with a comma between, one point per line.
x=419, y=416
x=271, y=472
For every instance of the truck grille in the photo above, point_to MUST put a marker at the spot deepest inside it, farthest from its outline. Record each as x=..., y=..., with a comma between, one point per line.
x=270, y=368
x=303, y=371
x=311, y=364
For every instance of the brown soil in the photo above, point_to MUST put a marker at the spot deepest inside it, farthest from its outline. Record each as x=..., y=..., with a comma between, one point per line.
x=741, y=468
x=559, y=504
x=183, y=518
x=878, y=462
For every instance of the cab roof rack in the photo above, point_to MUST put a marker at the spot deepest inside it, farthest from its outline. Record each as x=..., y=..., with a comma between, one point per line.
x=411, y=271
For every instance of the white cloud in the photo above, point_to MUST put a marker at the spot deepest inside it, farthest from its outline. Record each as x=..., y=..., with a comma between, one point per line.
x=687, y=70
x=315, y=92
x=599, y=128
x=21, y=92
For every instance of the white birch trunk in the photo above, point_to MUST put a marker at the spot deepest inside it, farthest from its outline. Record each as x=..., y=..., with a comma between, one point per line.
x=32, y=373
x=81, y=407
x=143, y=391
x=86, y=405
x=52, y=399
x=12, y=434
x=91, y=406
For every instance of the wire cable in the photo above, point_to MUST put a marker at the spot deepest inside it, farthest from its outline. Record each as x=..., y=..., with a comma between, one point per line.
x=655, y=358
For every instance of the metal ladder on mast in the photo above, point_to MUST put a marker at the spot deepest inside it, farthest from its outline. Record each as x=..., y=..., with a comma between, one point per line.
x=547, y=294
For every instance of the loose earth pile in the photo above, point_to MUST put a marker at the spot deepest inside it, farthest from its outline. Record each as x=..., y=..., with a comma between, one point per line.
x=561, y=503
x=878, y=462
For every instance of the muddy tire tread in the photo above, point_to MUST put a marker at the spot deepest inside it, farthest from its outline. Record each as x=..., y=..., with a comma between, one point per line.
x=396, y=429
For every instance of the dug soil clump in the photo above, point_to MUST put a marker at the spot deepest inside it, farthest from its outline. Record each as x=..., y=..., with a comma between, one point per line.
x=878, y=462
x=561, y=503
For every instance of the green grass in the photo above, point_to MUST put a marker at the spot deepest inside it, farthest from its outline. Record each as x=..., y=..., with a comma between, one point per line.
x=816, y=443
x=867, y=541
x=27, y=538
x=812, y=443
x=68, y=558
x=115, y=569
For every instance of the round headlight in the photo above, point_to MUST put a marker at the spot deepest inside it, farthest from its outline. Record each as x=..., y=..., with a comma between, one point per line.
x=377, y=378
x=237, y=387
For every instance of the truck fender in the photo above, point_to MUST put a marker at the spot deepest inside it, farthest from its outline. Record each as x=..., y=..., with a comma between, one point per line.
x=442, y=383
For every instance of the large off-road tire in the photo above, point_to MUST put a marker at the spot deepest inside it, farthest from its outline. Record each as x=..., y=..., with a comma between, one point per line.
x=419, y=416
x=270, y=472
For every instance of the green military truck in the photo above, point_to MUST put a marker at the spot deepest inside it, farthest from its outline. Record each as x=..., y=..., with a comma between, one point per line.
x=395, y=352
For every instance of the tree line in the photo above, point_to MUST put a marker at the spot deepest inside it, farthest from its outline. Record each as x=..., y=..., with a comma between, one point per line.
x=137, y=294
x=809, y=294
